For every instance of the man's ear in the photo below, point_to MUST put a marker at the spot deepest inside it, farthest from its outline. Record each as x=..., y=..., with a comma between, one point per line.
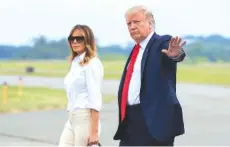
x=150, y=25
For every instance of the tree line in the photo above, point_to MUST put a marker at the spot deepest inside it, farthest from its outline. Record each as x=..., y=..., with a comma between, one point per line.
x=213, y=48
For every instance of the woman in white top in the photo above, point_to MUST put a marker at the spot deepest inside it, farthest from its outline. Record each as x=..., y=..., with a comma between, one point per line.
x=83, y=88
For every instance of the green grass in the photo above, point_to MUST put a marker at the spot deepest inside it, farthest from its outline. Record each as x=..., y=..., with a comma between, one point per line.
x=42, y=68
x=196, y=73
x=217, y=74
x=36, y=98
x=113, y=69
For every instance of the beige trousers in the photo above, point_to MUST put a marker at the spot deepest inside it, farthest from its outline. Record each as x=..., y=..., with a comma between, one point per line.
x=76, y=129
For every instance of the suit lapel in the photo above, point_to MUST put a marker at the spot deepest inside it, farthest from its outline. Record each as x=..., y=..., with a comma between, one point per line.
x=145, y=54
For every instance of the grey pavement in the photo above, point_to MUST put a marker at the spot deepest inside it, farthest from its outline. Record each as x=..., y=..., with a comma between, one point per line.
x=16, y=141
x=206, y=114
x=109, y=87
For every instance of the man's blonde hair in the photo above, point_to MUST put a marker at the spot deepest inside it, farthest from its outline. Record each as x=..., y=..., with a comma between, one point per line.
x=140, y=8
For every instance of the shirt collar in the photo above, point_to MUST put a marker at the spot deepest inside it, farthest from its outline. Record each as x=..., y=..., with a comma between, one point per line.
x=80, y=57
x=144, y=43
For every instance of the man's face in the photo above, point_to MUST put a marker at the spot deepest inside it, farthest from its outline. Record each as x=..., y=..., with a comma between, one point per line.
x=138, y=25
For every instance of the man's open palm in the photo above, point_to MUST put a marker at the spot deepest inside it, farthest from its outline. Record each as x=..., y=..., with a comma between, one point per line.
x=175, y=46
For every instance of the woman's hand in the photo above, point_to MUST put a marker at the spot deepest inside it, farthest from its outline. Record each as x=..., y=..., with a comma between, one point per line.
x=93, y=139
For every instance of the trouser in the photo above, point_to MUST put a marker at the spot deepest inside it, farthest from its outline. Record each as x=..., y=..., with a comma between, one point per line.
x=135, y=132
x=76, y=129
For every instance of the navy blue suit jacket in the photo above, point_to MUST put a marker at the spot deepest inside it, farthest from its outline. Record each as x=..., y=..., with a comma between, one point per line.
x=161, y=108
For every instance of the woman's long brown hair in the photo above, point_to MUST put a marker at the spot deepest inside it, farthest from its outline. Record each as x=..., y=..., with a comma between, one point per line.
x=89, y=44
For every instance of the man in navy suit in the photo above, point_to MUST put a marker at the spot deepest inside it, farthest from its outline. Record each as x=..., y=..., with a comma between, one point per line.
x=149, y=111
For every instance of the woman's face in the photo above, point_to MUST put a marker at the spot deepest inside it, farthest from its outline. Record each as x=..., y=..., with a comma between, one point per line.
x=77, y=41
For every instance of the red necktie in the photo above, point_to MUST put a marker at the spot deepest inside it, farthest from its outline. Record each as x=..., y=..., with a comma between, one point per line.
x=127, y=80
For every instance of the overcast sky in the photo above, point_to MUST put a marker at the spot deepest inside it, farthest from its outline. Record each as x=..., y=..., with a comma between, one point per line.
x=21, y=20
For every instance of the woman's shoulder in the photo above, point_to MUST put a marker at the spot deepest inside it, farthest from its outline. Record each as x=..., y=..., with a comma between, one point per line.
x=95, y=61
x=95, y=65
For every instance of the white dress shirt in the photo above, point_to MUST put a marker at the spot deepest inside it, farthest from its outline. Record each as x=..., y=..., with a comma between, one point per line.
x=135, y=82
x=83, y=84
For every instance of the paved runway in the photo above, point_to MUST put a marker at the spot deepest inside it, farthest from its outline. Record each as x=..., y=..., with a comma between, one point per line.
x=206, y=112
x=109, y=87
